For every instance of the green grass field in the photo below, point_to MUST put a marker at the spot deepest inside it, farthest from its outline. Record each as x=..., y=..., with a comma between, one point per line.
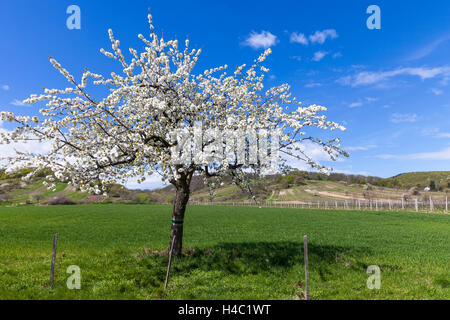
x=232, y=253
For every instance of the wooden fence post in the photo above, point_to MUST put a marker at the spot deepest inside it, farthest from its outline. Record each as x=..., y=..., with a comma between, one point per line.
x=52, y=267
x=416, y=205
x=431, y=204
x=305, y=249
x=170, y=262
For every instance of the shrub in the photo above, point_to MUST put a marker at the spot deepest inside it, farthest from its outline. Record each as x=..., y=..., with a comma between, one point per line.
x=43, y=173
x=284, y=184
x=36, y=197
x=107, y=200
x=3, y=174
x=260, y=191
x=299, y=180
x=433, y=186
x=141, y=198
x=290, y=179
x=60, y=200
x=414, y=191
x=20, y=173
x=5, y=198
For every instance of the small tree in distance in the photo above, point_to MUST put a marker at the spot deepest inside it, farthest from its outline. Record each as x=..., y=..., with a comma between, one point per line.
x=129, y=133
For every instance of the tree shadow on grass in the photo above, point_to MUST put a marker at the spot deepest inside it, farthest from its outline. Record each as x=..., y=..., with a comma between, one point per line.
x=251, y=258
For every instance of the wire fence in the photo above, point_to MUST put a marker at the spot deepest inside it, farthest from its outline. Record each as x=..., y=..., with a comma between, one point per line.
x=429, y=205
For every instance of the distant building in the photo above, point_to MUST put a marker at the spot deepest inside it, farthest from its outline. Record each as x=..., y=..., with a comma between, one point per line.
x=426, y=189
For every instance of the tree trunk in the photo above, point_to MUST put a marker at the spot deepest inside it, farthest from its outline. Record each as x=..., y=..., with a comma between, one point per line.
x=179, y=208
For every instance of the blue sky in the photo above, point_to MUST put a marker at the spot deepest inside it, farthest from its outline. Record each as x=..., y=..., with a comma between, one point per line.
x=389, y=87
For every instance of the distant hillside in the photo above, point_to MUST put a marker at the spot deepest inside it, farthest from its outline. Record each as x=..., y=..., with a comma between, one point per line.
x=297, y=186
x=14, y=191
x=440, y=179
x=302, y=187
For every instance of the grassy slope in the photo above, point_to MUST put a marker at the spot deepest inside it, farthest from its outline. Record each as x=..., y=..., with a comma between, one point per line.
x=412, y=178
x=327, y=191
x=240, y=253
x=334, y=190
x=21, y=195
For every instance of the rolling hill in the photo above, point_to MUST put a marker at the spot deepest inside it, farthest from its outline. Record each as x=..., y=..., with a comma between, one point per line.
x=297, y=186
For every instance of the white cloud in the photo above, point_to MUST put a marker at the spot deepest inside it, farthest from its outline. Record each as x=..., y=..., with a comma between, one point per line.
x=428, y=49
x=337, y=55
x=443, y=135
x=298, y=58
x=322, y=36
x=17, y=102
x=355, y=104
x=317, y=37
x=437, y=155
x=298, y=38
x=5, y=87
x=436, y=92
x=357, y=173
x=345, y=81
x=368, y=78
x=405, y=117
x=152, y=182
x=360, y=102
x=313, y=150
x=8, y=150
x=361, y=148
x=319, y=55
x=313, y=85
x=264, y=40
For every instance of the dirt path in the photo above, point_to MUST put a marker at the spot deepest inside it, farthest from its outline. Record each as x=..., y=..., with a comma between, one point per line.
x=339, y=196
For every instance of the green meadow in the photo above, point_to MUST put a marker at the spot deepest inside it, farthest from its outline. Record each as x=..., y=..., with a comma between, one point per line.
x=230, y=253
